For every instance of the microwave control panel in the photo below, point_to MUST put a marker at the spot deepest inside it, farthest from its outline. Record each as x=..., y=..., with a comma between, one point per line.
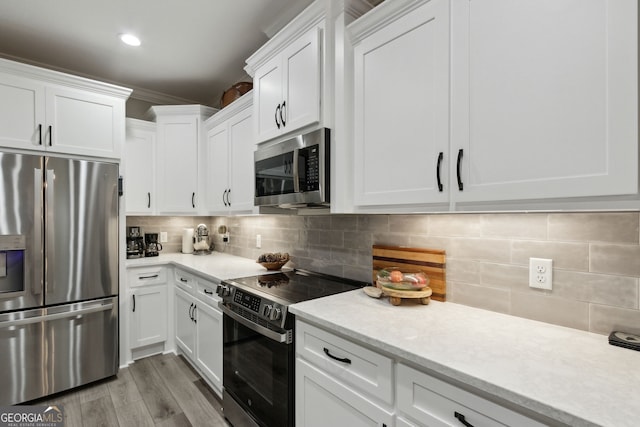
x=310, y=158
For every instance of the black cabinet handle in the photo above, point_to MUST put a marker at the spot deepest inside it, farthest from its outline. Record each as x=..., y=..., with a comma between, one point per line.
x=134, y=302
x=339, y=359
x=40, y=134
x=183, y=280
x=193, y=200
x=148, y=200
x=460, y=184
x=50, y=135
x=276, y=116
x=208, y=292
x=462, y=420
x=195, y=307
x=190, y=311
x=148, y=277
x=440, y=157
x=228, y=200
x=282, y=111
x=223, y=199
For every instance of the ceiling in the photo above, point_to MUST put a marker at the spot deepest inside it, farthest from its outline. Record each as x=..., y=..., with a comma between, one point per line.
x=191, y=50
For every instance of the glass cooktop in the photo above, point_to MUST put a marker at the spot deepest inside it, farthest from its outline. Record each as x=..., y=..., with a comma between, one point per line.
x=297, y=285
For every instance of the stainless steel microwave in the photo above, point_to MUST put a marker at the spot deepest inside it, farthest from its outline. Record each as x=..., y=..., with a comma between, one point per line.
x=294, y=173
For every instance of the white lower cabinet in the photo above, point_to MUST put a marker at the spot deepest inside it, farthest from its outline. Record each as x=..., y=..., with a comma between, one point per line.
x=148, y=322
x=322, y=400
x=198, y=327
x=433, y=402
x=340, y=382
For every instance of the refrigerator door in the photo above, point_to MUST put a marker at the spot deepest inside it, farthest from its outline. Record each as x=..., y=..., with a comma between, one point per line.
x=21, y=237
x=81, y=230
x=48, y=350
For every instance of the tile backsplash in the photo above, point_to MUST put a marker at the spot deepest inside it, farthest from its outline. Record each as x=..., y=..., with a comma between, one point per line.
x=596, y=256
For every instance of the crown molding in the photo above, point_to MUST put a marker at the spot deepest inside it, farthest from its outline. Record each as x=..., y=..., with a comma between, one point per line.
x=240, y=104
x=202, y=111
x=381, y=16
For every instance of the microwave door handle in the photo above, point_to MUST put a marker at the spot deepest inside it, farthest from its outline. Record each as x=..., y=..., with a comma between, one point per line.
x=38, y=220
x=296, y=172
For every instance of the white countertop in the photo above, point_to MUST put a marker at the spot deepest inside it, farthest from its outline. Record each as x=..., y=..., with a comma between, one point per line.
x=572, y=376
x=217, y=265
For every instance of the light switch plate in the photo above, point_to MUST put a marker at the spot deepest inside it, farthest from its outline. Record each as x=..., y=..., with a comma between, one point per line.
x=163, y=237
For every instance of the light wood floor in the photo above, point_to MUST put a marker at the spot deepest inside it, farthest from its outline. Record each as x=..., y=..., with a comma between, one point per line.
x=161, y=390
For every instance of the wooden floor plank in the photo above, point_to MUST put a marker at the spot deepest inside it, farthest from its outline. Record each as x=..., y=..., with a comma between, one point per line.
x=179, y=420
x=123, y=390
x=99, y=413
x=194, y=404
x=159, y=400
x=134, y=414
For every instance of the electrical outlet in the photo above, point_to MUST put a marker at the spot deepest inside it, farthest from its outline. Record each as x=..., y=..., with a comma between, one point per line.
x=163, y=237
x=541, y=273
x=258, y=241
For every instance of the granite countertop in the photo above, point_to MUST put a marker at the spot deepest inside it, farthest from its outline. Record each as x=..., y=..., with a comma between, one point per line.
x=572, y=376
x=217, y=265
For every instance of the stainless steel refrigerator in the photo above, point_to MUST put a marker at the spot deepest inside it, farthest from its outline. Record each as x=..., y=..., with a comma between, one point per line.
x=58, y=274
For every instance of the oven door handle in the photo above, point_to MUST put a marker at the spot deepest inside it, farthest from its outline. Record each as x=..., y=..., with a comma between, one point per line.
x=296, y=171
x=285, y=337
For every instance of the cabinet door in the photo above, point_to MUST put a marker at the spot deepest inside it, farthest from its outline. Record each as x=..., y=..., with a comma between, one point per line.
x=177, y=166
x=301, y=81
x=268, y=98
x=546, y=98
x=322, y=401
x=402, y=110
x=21, y=113
x=241, y=147
x=140, y=171
x=149, y=315
x=184, y=324
x=217, y=169
x=84, y=123
x=209, y=343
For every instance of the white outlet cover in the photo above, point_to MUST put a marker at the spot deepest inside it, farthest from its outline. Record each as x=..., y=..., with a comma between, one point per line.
x=541, y=273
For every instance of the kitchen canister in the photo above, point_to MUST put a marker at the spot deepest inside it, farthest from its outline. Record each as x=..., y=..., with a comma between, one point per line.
x=187, y=241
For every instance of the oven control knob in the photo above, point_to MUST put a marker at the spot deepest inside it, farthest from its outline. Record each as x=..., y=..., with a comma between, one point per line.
x=275, y=314
x=266, y=311
x=223, y=291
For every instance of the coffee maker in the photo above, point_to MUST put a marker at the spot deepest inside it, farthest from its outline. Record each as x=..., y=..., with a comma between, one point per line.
x=135, y=243
x=153, y=247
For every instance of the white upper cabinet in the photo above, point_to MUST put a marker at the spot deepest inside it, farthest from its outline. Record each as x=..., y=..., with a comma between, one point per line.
x=179, y=133
x=229, y=151
x=59, y=113
x=545, y=99
x=401, y=106
x=139, y=160
x=287, y=73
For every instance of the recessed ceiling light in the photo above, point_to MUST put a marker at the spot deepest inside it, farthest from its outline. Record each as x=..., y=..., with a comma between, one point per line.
x=130, y=39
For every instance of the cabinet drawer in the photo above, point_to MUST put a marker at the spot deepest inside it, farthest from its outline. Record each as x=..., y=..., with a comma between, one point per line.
x=353, y=364
x=185, y=280
x=435, y=403
x=144, y=276
x=206, y=292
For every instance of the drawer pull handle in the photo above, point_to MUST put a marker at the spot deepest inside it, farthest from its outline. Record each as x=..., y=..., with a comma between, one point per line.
x=183, y=280
x=462, y=420
x=339, y=359
x=134, y=302
x=148, y=277
x=208, y=292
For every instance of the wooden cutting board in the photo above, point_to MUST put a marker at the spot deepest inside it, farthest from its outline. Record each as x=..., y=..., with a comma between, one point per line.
x=430, y=261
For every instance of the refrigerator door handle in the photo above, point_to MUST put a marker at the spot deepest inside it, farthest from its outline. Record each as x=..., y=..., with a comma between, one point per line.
x=38, y=241
x=49, y=233
x=54, y=316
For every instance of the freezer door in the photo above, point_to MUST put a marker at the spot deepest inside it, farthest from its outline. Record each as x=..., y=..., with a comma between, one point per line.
x=21, y=237
x=48, y=350
x=81, y=230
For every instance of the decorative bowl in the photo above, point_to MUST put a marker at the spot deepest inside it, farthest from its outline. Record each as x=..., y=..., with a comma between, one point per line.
x=272, y=266
x=402, y=279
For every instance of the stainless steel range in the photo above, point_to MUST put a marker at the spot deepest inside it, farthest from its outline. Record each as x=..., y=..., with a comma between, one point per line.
x=259, y=352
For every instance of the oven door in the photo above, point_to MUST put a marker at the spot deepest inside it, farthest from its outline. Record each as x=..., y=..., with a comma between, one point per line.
x=258, y=374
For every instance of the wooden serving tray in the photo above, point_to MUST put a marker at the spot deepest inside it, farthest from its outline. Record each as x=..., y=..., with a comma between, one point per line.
x=430, y=261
